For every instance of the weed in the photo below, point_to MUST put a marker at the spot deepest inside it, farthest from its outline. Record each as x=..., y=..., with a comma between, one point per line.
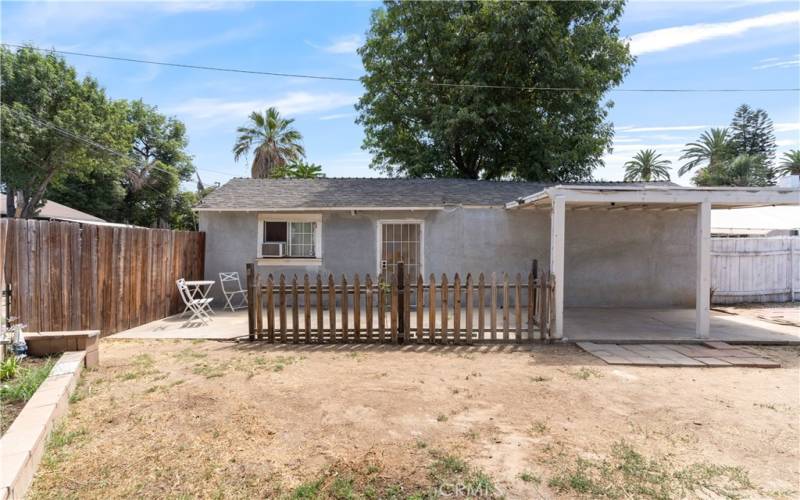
x=189, y=355
x=60, y=438
x=9, y=368
x=308, y=490
x=421, y=444
x=627, y=473
x=342, y=488
x=530, y=477
x=142, y=367
x=585, y=373
x=539, y=378
x=25, y=383
x=441, y=418
x=210, y=370
x=539, y=427
x=448, y=464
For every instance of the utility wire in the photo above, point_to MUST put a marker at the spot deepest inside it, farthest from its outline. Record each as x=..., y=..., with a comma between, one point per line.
x=399, y=83
x=90, y=142
x=87, y=141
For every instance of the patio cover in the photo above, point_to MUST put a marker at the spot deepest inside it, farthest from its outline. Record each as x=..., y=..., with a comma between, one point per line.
x=559, y=199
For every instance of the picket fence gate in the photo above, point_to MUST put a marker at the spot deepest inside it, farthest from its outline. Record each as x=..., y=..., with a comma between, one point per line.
x=398, y=309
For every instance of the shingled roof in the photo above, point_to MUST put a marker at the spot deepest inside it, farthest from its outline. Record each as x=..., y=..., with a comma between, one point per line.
x=363, y=193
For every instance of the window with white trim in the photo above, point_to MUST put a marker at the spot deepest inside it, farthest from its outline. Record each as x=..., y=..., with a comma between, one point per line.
x=294, y=238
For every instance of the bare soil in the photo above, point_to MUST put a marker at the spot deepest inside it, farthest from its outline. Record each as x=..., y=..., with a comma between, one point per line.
x=212, y=419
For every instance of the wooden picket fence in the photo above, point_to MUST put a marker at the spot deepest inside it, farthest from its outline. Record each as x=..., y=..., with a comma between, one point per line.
x=397, y=309
x=68, y=276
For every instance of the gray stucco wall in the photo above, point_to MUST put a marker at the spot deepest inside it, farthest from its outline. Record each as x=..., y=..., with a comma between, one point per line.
x=612, y=259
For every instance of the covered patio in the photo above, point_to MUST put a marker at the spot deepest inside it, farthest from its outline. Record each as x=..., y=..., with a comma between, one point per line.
x=672, y=321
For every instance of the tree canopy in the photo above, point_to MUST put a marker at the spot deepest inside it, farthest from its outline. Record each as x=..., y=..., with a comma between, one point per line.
x=647, y=166
x=423, y=116
x=65, y=140
x=740, y=155
x=272, y=140
x=41, y=94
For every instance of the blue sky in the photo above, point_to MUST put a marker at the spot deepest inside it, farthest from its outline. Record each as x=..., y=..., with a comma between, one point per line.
x=678, y=44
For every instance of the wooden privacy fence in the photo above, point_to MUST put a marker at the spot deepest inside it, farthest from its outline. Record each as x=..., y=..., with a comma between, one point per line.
x=67, y=276
x=755, y=269
x=398, y=309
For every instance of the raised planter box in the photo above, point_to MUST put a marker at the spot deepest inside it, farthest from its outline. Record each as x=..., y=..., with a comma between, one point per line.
x=23, y=444
x=46, y=343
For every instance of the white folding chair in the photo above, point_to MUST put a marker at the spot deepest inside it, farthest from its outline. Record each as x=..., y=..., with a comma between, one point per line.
x=234, y=288
x=196, y=306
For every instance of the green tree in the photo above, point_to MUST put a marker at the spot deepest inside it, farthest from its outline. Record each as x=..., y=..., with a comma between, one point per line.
x=300, y=170
x=743, y=170
x=790, y=163
x=752, y=133
x=647, y=166
x=712, y=149
x=272, y=140
x=42, y=97
x=423, y=116
x=152, y=181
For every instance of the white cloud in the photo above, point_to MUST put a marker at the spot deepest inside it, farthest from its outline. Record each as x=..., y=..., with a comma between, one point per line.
x=777, y=62
x=336, y=116
x=210, y=111
x=347, y=44
x=183, y=7
x=661, y=129
x=678, y=36
x=786, y=126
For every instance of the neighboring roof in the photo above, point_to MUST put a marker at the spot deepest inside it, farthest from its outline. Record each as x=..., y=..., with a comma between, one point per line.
x=619, y=197
x=762, y=219
x=56, y=211
x=242, y=194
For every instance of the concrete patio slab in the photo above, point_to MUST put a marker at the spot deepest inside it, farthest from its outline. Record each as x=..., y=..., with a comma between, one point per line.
x=602, y=325
x=631, y=325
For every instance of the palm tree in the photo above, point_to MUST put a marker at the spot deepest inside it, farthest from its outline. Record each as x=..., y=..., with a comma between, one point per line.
x=306, y=171
x=790, y=163
x=647, y=166
x=712, y=148
x=273, y=140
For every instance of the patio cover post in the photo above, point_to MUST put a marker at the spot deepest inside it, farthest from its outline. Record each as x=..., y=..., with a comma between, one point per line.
x=703, y=298
x=557, y=233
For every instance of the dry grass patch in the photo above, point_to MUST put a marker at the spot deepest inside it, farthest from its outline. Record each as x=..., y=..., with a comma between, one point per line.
x=213, y=419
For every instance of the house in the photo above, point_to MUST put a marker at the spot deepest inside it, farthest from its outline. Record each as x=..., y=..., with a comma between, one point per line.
x=56, y=211
x=609, y=245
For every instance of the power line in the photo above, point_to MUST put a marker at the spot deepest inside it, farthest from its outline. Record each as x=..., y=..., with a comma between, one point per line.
x=431, y=84
x=92, y=143
x=87, y=141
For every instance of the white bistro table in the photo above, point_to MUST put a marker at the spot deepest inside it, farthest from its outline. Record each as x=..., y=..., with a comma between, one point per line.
x=199, y=289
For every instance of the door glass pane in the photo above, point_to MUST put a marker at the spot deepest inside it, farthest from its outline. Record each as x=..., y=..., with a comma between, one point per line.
x=400, y=243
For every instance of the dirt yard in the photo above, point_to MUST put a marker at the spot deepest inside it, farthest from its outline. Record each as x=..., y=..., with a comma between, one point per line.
x=216, y=419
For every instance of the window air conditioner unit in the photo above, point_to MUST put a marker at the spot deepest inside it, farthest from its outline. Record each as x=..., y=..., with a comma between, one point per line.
x=272, y=249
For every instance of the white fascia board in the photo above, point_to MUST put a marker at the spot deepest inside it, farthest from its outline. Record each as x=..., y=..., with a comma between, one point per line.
x=724, y=197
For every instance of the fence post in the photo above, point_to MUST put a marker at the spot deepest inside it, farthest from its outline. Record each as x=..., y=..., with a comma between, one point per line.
x=250, y=301
x=401, y=312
